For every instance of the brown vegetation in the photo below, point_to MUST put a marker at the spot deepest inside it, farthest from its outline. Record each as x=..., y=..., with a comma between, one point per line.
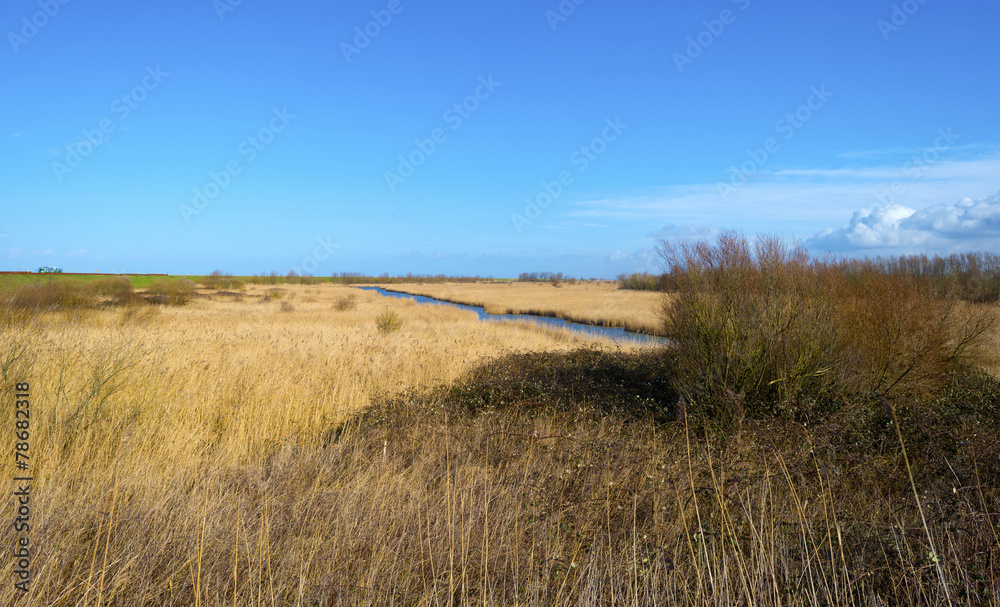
x=762, y=325
x=173, y=291
x=224, y=452
x=63, y=293
x=221, y=280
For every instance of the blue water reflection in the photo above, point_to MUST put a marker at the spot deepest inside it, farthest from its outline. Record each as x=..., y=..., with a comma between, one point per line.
x=615, y=333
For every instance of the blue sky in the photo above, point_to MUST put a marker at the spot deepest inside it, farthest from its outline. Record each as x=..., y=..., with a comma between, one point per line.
x=489, y=137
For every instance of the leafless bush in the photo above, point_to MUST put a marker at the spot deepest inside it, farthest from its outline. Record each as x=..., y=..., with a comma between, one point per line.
x=347, y=302
x=175, y=291
x=221, y=280
x=758, y=323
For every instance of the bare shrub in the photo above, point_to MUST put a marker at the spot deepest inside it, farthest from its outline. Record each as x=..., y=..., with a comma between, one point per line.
x=345, y=303
x=761, y=325
x=221, y=280
x=294, y=278
x=50, y=294
x=264, y=279
x=641, y=282
x=117, y=288
x=175, y=291
x=230, y=295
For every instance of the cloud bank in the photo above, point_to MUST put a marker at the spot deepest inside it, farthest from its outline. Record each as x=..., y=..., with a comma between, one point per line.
x=896, y=229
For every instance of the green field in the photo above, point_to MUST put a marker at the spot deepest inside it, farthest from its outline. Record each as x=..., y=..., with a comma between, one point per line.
x=138, y=282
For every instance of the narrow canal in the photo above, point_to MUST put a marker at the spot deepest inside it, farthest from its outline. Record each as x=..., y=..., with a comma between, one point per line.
x=615, y=333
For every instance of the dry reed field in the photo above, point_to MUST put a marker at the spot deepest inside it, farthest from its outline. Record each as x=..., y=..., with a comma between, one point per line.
x=274, y=446
x=139, y=410
x=601, y=303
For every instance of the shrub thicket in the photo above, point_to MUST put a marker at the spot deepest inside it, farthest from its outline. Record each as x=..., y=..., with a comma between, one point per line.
x=347, y=302
x=762, y=326
x=63, y=293
x=553, y=277
x=265, y=279
x=974, y=277
x=221, y=280
x=642, y=282
x=118, y=290
x=49, y=294
x=294, y=278
x=174, y=291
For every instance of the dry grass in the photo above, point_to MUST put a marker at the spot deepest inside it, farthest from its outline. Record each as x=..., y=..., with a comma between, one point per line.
x=198, y=455
x=160, y=409
x=601, y=303
x=239, y=357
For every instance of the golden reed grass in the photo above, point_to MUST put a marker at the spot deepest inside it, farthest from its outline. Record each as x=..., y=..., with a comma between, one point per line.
x=145, y=406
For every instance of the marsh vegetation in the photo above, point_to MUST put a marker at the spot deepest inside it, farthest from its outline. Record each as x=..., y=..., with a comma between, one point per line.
x=810, y=439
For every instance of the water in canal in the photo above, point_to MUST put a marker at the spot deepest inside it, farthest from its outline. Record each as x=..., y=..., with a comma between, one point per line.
x=615, y=333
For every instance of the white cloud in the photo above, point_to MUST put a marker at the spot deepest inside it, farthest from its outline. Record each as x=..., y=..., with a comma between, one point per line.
x=899, y=196
x=964, y=219
x=800, y=200
x=938, y=228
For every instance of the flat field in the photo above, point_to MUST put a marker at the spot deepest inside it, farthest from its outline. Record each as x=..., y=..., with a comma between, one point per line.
x=8, y=281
